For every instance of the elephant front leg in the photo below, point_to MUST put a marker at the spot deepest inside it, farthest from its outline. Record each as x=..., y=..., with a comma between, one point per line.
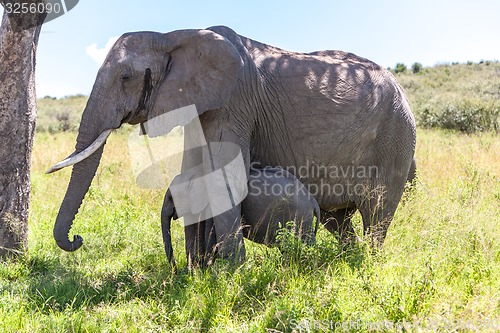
x=226, y=177
x=225, y=189
x=210, y=242
x=201, y=244
x=229, y=235
x=195, y=245
x=213, y=196
x=216, y=194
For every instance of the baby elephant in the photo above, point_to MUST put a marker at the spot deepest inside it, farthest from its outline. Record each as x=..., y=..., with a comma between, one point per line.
x=274, y=198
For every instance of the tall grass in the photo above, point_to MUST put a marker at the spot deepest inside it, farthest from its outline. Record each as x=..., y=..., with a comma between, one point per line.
x=439, y=268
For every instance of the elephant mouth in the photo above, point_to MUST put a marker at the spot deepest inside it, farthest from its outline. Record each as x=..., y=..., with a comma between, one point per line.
x=128, y=118
x=76, y=158
x=133, y=118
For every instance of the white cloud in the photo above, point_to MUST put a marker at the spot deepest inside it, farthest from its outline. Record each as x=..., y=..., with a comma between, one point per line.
x=99, y=54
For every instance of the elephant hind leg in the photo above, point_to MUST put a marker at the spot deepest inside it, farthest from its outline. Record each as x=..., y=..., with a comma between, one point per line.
x=377, y=213
x=339, y=223
x=306, y=231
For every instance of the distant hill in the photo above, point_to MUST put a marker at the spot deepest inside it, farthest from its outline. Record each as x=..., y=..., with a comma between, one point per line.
x=463, y=97
x=60, y=115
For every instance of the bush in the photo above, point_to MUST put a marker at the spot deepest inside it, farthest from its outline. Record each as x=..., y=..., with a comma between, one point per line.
x=400, y=68
x=416, y=67
x=465, y=116
x=462, y=97
x=60, y=115
x=64, y=121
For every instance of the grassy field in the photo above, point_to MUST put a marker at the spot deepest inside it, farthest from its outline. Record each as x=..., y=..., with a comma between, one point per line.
x=440, y=266
x=439, y=269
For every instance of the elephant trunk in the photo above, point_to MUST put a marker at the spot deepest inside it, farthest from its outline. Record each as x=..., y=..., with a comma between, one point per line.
x=169, y=251
x=81, y=178
x=92, y=134
x=168, y=213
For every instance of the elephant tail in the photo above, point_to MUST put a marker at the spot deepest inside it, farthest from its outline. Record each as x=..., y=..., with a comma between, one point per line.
x=317, y=211
x=412, y=173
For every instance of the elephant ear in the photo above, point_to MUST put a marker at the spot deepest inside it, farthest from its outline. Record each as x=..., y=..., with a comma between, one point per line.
x=202, y=69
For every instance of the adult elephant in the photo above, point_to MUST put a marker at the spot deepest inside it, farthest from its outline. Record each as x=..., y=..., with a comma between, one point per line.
x=339, y=122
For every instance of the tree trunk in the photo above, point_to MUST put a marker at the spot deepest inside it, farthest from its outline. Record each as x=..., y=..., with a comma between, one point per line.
x=18, y=41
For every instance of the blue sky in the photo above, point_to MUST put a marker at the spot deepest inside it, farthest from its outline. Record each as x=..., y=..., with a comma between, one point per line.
x=385, y=31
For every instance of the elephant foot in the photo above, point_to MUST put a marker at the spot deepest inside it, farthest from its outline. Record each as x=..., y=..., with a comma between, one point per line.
x=378, y=234
x=195, y=263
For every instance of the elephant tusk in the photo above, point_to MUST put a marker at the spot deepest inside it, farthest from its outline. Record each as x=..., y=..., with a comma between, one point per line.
x=73, y=159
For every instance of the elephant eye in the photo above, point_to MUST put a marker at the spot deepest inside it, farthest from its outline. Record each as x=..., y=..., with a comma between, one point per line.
x=126, y=77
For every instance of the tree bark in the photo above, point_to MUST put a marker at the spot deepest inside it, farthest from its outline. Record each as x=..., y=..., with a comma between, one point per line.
x=18, y=41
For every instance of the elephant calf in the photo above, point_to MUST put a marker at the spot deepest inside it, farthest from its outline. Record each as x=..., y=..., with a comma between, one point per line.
x=274, y=198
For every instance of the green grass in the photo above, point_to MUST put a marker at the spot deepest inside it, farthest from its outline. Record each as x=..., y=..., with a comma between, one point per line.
x=439, y=268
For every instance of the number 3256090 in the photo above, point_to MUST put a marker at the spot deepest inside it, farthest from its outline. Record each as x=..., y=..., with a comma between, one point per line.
x=33, y=8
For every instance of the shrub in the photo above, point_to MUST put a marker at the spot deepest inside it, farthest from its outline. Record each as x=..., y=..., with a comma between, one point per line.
x=416, y=67
x=462, y=97
x=60, y=115
x=64, y=121
x=400, y=68
x=465, y=116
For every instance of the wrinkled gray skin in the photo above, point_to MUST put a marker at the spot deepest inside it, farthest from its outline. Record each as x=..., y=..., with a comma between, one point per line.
x=326, y=109
x=274, y=198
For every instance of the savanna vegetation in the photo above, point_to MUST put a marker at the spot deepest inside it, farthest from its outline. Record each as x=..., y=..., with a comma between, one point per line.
x=439, y=269
x=462, y=97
